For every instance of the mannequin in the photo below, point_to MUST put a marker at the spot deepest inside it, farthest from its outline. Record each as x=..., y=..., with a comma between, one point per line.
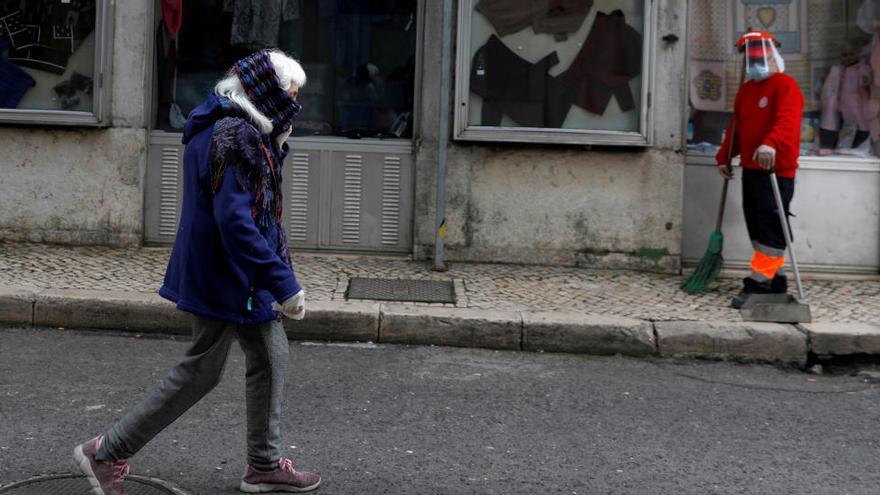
x=846, y=95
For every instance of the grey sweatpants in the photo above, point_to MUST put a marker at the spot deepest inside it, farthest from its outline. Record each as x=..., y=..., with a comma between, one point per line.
x=265, y=348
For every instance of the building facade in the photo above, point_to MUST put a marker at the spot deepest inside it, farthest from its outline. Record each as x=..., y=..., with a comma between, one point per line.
x=577, y=136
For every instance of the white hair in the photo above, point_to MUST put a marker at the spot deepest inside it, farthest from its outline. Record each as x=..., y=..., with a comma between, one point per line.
x=289, y=72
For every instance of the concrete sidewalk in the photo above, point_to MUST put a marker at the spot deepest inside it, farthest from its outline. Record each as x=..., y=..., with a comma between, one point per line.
x=498, y=306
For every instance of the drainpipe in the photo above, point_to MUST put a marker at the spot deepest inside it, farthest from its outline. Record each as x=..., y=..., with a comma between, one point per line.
x=443, y=137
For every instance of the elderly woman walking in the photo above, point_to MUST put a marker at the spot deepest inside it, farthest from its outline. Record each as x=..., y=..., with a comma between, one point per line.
x=230, y=268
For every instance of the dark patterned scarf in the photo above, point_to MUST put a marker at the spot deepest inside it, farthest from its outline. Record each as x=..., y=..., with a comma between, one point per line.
x=260, y=82
x=237, y=143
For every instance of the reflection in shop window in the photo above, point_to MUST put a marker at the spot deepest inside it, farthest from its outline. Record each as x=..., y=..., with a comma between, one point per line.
x=830, y=47
x=551, y=65
x=359, y=58
x=47, y=55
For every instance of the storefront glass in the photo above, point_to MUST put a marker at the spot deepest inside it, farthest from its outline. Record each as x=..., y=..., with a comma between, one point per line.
x=47, y=55
x=555, y=65
x=359, y=57
x=830, y=47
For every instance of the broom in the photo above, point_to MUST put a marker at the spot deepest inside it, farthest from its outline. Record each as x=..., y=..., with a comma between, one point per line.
x=710, y=265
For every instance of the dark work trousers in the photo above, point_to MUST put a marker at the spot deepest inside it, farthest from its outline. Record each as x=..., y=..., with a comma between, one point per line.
x=761, y=213
x=266, y=350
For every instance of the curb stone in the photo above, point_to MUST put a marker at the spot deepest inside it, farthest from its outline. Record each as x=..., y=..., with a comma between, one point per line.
x=460, y=327
x=753, y=341
x=17, y=306
x=145, y=312
x=590, y=334
x=466, y=327
x=841, y=339
x=337, y=321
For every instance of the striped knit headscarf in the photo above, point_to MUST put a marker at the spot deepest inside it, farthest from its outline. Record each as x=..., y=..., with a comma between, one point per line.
x=260, y=82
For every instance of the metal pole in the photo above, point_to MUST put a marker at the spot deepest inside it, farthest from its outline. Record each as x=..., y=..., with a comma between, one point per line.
x=785, y=230
x=443, y=137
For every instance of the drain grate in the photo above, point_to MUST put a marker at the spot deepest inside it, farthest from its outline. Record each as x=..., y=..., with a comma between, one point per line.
x=69, y=484
x=392, y=289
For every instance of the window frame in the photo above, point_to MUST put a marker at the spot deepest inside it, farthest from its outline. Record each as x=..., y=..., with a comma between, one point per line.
x=464, y=131
x=101, y=89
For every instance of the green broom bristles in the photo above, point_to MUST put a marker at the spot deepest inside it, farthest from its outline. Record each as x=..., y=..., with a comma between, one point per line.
x=708, y=268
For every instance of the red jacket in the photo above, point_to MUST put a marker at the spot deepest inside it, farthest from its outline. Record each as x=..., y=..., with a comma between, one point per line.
x=767, y=112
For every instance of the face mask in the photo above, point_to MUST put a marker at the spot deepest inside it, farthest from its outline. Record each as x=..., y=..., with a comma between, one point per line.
x=758, y=72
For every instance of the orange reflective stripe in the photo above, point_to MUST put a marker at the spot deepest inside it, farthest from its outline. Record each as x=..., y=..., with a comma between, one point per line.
x=767, y=265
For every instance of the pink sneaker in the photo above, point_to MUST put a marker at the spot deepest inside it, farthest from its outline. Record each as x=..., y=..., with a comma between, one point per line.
x=283, y=479
x=106, y=477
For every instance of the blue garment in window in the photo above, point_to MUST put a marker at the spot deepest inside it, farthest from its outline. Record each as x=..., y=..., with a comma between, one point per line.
x=14, y=82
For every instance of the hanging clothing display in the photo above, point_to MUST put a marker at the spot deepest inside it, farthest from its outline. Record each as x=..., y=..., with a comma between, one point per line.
x=255, y=25
x=610, y=58
x=557, y=17
x=561, y=17
x=43, y=34
x=172, y=15
x=510, y=85
x=14, y=82
x=353, y=23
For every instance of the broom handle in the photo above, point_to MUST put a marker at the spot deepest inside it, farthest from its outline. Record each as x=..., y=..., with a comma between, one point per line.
x=720, y=218
x=786, y=231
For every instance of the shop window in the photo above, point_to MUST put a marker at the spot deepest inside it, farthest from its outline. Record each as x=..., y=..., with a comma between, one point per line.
x=574, y=71
x=359, y=59
x=830, y=47
x=53, y=58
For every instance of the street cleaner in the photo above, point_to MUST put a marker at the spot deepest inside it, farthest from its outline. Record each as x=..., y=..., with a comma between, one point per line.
x=230, y=269
x=767, y=113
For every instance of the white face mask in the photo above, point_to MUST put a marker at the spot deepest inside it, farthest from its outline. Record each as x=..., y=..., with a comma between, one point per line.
x=758, y=72
x=759, y=55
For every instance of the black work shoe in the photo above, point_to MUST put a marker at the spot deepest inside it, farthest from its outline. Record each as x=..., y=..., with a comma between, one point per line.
x=740, y=299
x=779, y=284
x=752, y=286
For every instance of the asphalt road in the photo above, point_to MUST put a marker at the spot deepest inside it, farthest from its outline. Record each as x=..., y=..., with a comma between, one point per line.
x=430, y=420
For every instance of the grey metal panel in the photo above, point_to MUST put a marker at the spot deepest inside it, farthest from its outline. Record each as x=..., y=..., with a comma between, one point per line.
x=302, y=174
x=391, y=190
x=164, y=189
x=340, y=195
x=406, y=206
x=371, y=201
x=352, y=197
x=169, y=189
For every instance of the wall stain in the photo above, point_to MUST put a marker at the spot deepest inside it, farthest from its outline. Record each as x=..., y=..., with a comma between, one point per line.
x=653, y=255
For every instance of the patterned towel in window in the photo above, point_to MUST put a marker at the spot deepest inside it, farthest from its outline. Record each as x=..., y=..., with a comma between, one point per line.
x=45, y=33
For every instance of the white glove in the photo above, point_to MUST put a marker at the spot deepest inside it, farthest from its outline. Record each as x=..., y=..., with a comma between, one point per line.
x=766, y=156
x=283, y=137
x=295, y=307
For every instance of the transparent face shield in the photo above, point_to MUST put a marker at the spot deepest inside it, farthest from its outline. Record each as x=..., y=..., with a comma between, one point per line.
x=762, y=59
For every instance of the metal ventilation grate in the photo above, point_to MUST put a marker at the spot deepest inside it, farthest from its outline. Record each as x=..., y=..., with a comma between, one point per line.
x=389, y=289
x=69, y=484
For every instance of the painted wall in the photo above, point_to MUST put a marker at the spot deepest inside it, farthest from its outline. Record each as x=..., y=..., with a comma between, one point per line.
x=83, y=185
x=568, y=205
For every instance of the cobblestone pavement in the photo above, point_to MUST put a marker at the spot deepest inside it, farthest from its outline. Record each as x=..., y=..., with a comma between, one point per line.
x=646, y=296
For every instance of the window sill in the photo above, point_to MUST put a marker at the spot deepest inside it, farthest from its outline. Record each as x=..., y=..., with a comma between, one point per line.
x=312, y=142
x=837, y=163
